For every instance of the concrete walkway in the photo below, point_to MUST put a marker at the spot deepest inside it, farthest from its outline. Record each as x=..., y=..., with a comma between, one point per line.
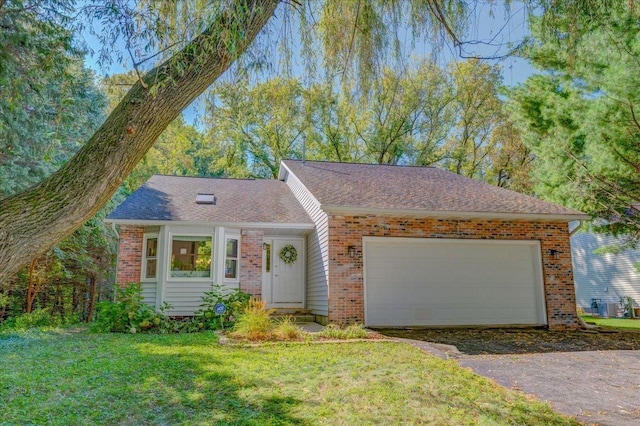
x=311, y=327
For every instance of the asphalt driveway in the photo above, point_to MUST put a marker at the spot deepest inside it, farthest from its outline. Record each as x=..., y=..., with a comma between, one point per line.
x=592, y=376
x=597, y=387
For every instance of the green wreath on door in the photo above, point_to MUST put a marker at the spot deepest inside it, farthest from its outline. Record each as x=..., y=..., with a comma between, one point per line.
x=288, y=254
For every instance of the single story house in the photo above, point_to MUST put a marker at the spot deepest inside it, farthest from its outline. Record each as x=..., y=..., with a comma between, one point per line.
x=605, y=277
x=376, y=244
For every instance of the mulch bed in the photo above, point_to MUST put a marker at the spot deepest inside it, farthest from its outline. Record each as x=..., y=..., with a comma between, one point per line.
x=520, y=341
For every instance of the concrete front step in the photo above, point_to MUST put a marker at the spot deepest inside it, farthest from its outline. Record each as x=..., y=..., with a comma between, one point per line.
x=297, y=318
x=291, y=311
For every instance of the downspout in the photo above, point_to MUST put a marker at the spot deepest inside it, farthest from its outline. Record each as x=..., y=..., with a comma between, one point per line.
x=115, y=231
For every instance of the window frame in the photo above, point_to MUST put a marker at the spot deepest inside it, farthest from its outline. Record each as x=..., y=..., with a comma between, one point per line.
x=173, y=235
x=228, y=237
x=145, y=245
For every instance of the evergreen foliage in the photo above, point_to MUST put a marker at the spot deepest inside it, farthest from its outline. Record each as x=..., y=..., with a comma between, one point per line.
x=580, y=115
x=49, y=105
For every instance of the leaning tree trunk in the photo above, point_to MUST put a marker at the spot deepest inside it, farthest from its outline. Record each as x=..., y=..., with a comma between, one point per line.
x=34, y=220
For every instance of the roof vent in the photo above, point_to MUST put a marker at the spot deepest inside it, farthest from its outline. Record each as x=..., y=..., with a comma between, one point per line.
x=206, y=199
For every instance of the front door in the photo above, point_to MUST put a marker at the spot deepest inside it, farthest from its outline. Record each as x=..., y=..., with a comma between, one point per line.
x=283, y=272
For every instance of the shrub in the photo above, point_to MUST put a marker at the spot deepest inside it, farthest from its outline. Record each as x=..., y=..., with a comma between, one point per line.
x=254, y=323
x=37, y=318
x=129, y=314
x=334, y=331
x=234, y=300
x=287, y=329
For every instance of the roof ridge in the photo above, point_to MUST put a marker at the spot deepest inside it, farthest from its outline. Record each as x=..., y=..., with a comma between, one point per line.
x=211, y=177
x=408, y=166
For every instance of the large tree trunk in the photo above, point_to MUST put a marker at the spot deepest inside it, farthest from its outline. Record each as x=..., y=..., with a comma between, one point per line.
x=34, y=220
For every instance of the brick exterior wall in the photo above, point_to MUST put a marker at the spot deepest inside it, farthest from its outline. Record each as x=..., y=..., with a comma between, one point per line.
x=129, y=255
x=346, y=290
x=251, y=262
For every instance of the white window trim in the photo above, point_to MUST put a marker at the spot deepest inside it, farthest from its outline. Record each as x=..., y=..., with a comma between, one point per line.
x=211, y=276
x=143, y=270
x=227, y=237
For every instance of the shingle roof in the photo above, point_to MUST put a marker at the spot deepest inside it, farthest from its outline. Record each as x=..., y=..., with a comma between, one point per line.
x=237, y=201
x=366, y=186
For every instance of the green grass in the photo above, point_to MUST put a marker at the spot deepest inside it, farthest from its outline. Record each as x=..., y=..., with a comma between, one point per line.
x=75, y=378
x=612, y=322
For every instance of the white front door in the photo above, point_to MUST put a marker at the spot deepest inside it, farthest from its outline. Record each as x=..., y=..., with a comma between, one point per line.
x=283, y=272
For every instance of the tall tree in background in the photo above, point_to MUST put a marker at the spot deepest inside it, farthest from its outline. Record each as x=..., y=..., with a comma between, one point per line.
x=49, y=105
x=482, y=143
x=402, y=112
x=329, y=132
x=48, y=102
x=256, y=127
x=582, y=119
x=422, y=116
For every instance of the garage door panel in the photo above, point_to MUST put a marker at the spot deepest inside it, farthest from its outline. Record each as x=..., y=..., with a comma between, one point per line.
x=413, y=281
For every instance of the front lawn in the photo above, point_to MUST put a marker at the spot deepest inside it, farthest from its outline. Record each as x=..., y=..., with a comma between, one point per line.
x=67, y=377
x=613, y=322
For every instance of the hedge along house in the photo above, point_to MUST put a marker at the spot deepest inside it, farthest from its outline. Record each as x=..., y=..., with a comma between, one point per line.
x=382, y=245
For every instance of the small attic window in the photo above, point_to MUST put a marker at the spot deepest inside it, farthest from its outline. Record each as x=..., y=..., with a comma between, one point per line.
x=206, y=199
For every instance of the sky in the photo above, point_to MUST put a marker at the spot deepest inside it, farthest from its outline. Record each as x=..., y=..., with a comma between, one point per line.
x=490, y=36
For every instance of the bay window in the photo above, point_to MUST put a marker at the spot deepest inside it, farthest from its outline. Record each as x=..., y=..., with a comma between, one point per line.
x=191, y=256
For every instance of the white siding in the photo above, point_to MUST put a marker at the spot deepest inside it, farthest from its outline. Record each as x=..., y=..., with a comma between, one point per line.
x=185, y=297
x=317, y=249
x=149, y=290
x=603, y=276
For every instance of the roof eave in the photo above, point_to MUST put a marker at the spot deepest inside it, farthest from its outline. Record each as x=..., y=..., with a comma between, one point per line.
x=445, y=214
x=147, y=222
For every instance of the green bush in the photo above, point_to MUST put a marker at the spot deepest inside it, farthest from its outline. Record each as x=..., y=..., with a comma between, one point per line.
x=37, y=318
x=254, y=323
x=234, y=301
x=334, y=331
x=4, y=300
x=129, y=314
x=287, y=329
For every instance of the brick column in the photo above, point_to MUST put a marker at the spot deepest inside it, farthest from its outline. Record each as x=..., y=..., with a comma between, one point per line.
x=129, y=255
x=251, y=262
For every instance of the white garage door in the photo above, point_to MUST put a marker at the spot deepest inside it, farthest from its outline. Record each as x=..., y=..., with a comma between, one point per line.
x=430, y=282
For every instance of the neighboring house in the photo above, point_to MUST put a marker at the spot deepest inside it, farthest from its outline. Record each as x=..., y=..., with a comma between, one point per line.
x=608, y=276
x=382, y=245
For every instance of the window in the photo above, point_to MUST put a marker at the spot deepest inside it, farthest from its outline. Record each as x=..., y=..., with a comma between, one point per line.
x=191, y=256
x=150, y=259
x=267, y=249
x=231, y=259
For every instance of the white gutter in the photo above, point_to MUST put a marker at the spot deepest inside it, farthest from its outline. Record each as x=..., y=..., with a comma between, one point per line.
x=115, y=279
x=448, y=214
x=577, y=228
x=256, y=225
